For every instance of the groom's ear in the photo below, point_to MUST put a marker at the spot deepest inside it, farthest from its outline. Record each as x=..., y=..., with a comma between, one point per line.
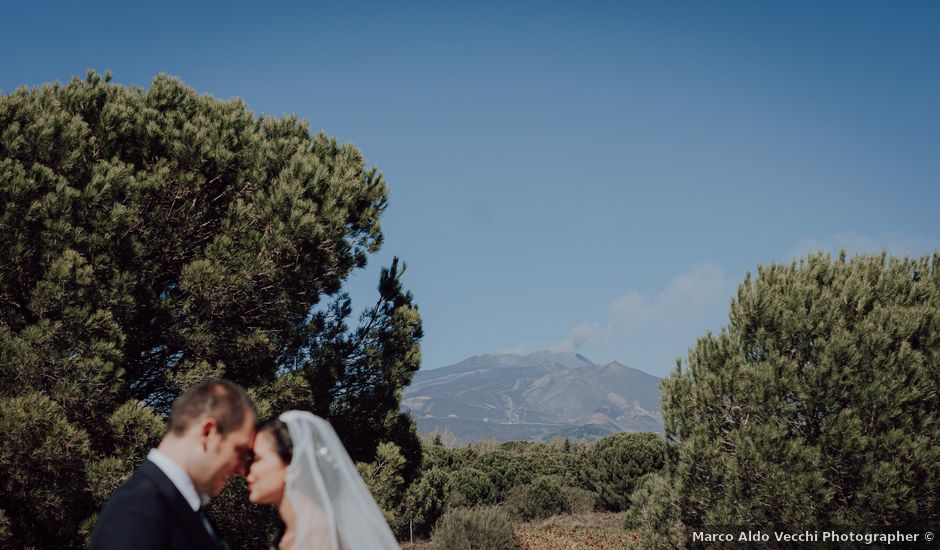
x=206, y=428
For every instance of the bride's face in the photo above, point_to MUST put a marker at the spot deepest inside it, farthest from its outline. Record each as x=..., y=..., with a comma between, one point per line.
x=266, y=477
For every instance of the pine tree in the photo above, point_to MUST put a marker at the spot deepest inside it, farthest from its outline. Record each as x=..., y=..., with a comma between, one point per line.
x=384, y=480
x=612, y=466
x=818, y=405
x=153, y=237
x=424, y=502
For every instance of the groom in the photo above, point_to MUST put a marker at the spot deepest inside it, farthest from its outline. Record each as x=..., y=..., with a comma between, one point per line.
x=208, y=439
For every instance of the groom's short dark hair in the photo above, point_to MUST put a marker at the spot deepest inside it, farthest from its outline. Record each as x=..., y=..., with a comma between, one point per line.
x=222, y=400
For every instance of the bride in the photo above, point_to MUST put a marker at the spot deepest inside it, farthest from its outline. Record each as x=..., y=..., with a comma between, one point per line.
x=302, y=468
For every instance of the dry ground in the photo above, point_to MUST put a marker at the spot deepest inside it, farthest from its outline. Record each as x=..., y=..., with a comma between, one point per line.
x=600, y=530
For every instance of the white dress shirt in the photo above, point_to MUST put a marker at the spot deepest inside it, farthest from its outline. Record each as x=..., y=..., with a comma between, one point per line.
x=182, y=482
x=178, y=476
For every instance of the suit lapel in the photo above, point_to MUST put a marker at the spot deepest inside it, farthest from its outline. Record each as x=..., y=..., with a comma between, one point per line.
x=184, y=517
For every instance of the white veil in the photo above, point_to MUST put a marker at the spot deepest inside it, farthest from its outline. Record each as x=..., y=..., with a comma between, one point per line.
x=334, y=508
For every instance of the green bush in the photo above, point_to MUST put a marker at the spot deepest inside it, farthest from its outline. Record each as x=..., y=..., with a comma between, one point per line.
x=541, y=499
x=580, y=501
x=506, y=470
x=655, y=513
x=612, y=466
x=384, y=479
x=544, y=463
x=470, y=487
x=474, y=529
x=517, y=446
x=424, y=503
x=446, y=458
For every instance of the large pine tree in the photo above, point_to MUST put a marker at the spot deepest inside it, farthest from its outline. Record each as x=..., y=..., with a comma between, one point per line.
x=818, y=405
x=153, y=237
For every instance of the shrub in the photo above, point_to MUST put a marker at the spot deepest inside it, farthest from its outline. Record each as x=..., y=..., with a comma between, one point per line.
x=612, y=466
x=516, y=446
x=544, y=463
x=384, y=479
x=580, y=501
x=541, y=499
x=474, y=529
x=424, y=503
x=505, y=470
x=470, y=487
x=655, y=513
x=449, y=459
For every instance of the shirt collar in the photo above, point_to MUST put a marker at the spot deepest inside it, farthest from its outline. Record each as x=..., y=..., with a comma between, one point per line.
x=178, y=476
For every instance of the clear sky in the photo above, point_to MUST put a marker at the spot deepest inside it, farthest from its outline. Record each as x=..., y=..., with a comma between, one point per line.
x=594, y=176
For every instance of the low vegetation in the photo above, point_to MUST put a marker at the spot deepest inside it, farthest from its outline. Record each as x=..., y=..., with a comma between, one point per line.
x=474, y=529
x=464, y=490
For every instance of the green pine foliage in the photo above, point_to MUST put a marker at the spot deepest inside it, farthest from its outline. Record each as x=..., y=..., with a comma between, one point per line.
x=40, y=452
x=384, y=479
x=612, y=466
x=580, y=501
x=540, y=499
x=818, y=405
x=511, y=464
x=425, y=501
x=534, y=480
x=154, y=237
x=655, y=513
x=471, y=487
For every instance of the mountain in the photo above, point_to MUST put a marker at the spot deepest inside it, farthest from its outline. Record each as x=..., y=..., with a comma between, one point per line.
x=533, y=397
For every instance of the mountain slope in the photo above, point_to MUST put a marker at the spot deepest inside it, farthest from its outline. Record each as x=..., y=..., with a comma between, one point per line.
x=532, y=397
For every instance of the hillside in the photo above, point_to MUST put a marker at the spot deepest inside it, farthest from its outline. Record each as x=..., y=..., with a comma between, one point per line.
x=533, y=397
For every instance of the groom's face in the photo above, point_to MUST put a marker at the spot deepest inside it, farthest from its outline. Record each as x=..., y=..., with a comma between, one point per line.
x=226, y=456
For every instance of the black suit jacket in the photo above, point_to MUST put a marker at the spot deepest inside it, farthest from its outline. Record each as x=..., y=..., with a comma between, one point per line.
x=149, y=513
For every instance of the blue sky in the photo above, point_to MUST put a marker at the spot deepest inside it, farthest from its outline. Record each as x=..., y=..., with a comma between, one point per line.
x=592, y=177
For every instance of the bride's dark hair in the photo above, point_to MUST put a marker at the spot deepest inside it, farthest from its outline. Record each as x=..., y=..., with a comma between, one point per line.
x=282, y=441
x=285, y=450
